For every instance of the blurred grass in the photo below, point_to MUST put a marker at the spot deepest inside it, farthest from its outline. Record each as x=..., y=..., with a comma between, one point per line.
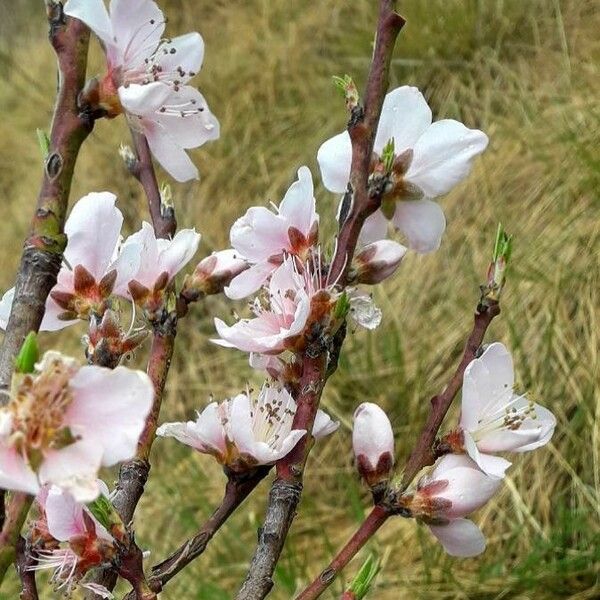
x=524, y=71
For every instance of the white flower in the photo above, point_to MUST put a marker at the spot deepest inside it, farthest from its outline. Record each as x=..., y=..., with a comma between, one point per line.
x=93, y=266
x=263, y=238
x=494, y=418
x=431, y=158
x=455, y=488
x=67, y=421
x=373, y=443
x=278, y=323
x=160, y=259
x=147, y=78
x=243, y=432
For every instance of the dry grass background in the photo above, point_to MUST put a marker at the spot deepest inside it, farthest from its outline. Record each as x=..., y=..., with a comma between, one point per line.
x=525, y=71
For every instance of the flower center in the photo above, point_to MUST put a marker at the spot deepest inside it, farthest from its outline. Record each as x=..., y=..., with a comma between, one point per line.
x=508, y=417
x=38, y=408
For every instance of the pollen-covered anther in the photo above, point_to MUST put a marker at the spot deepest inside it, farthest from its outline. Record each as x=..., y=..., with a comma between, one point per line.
x=39, y=404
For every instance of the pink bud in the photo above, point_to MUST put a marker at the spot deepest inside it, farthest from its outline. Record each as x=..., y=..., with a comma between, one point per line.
x=378, y=261
x=373, y=443
x=214, y=273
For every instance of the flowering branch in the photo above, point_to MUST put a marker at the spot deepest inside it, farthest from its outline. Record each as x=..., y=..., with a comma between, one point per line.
x=423, y=453
x=287, y=488
x=238, y=488
x=362, y=199
x=25, y=560
x=42, y=254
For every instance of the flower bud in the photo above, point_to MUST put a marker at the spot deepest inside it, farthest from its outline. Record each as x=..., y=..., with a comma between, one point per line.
x=213, y=274
x=373, y=443
x=378, y=261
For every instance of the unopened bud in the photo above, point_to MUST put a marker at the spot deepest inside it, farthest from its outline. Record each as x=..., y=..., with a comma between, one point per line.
x=496, y=277
x=378, y=261
x=213, y=274
x=373, y=443
x=348, y=88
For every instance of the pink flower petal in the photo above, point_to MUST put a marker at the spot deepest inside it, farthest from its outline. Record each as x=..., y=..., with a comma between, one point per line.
x=176, y=253
x=110, y=407
x=144, y=100
x=88, y=244
x=324, y=425
x=249, y=281
x=64, y=515
x=375, y=228
x=94, y=14
x=259, y=234
x=15, y=473
x=74, y=468
x=187, y=56
x=298, y=204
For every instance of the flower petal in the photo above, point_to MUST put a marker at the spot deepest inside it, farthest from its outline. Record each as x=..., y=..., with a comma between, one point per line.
x=443, y=155
x=94, y=14
x=177, y=252
x=422, y=222
x=405, y=116
x=372, y=434
x=64, y=515
x=15, y=473
x=375, y=228
x=138, y=26
x=298, y=204
x=144, y=100
x=172, y=157
x=88, y=244
x=335, y=158
x=74, y=468
x=495, y=466
x=110, y=407
x=324, y=425
x=460, y=537
x=259, y=234
x=183, y=57
x=249, y=281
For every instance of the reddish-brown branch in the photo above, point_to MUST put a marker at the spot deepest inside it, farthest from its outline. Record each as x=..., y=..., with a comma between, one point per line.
x=42, y=253
x=368, y=528
x=423, y=454
x=287, y=488
x=24, y=563
x=163, y=217
x=238, y=488
x=362, y=129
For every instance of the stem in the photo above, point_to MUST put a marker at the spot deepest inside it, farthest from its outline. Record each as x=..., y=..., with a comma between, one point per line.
x=43, y=248
x=27, y=576
x=17, y=509
x=376, y=518
x=287, y=488
x=238, y=488
x=362, y=129
x=134, y=473
x=423, y=453
x=163, y=217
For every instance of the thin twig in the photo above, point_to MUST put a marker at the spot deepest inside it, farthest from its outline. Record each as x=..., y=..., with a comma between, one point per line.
x=422, y=454
x=376, y=518
x=24, y=563
x=18, y=506
x=238, y=488
x=287, y=488
x=133, y=474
